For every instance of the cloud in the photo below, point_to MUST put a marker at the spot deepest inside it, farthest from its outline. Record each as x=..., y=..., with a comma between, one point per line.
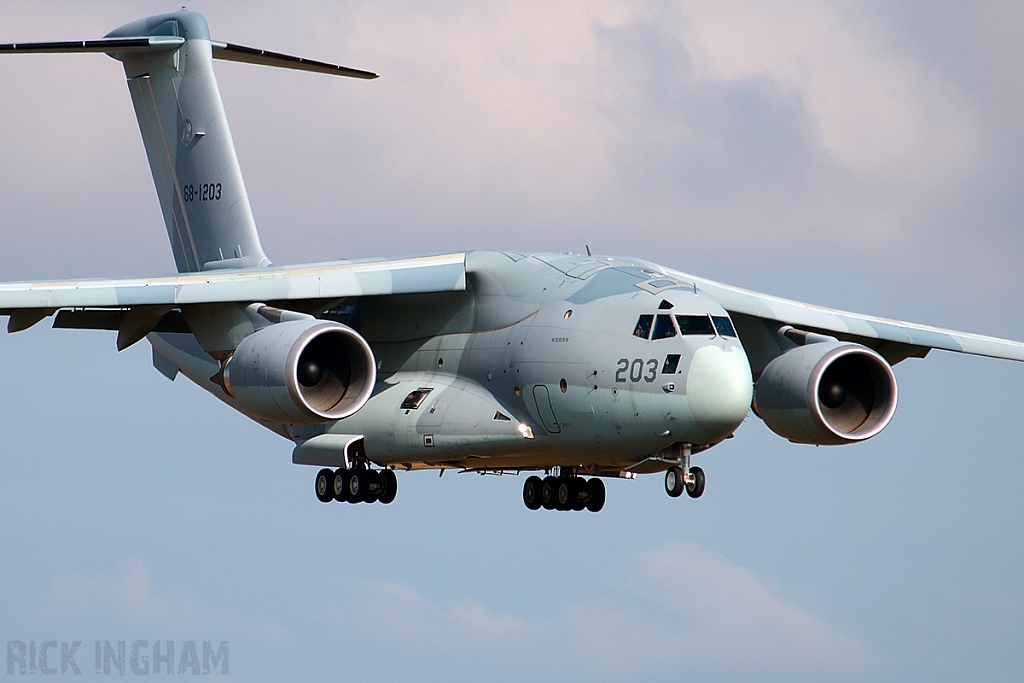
x=796, y=131
x=128, y=598
x=739, y=125
x=875, y=110
x=734, y=616
x=681, y=603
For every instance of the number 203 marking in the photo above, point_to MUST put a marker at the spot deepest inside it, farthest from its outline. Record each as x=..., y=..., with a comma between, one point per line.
x=637, y=370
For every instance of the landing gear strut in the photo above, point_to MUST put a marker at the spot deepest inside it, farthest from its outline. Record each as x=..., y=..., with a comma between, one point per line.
x=689, y=478
x=566, y=492
x=357, y=485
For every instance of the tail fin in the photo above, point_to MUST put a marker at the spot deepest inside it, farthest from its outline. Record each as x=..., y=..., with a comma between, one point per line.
x=168, y=60
x=181, y=116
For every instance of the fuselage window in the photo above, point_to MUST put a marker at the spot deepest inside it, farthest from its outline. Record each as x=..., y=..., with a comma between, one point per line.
x=663, y=327
x=671, y=364
x=724, y=326
x=695, y=325
x=643, y=327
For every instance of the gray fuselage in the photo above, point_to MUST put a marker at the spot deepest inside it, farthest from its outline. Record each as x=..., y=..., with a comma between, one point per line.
x=538, y=363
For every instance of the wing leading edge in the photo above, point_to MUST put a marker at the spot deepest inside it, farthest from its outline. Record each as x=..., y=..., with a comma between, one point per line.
x=904, y=339
x=25, y=301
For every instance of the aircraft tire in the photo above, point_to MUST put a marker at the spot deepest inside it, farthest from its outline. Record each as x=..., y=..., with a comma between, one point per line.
x=696, y=489
x=357, y=485
x=373, y=486
x=597, y=494
x=323, y=485
x=340, y=485
x=563, y=494
x=389, y=488
x=531, y=492
x=580, y=493
x=548, y=492
x=674, y=482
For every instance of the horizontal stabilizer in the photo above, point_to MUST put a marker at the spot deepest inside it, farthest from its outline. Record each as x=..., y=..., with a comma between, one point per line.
x=252, y=55
x=108, y=45
x=226, y=51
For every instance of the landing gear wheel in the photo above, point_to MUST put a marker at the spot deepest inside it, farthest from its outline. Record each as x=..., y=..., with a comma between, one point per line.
x=389, y=486
x=548, y=493
x=358, y=485
x=373, y=487
x=596, y=501
x=674, y=483
x=339, y=485
x=695, y=488
x=324, y=482
x=580, y=493
x=531, y=492
x=563, y=494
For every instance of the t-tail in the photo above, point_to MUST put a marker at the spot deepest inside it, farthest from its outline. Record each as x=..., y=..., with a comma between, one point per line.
x=168, y=60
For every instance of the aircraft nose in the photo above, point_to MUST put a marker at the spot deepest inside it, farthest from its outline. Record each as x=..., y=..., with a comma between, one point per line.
x=719, y=388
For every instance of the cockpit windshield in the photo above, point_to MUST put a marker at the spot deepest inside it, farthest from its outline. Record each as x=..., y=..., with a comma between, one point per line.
x=663, y=327
x=643, y=327
x=724, y=326
x=695, y=325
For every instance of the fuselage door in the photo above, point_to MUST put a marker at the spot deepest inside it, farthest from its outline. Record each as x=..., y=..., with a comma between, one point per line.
x=544, y=409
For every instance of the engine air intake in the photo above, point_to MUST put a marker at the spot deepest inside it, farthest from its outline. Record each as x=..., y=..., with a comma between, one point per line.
x=826, y=393
x=302, y=371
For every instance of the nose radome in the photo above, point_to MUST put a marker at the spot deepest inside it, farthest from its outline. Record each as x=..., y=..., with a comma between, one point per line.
x=719, y=388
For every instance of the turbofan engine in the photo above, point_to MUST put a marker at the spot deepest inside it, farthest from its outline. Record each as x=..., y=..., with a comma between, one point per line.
x=826, y=393
x=301, y=371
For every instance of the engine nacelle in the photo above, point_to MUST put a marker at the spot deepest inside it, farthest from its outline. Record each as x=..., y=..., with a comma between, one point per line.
x=302, y=371
x=826, y=393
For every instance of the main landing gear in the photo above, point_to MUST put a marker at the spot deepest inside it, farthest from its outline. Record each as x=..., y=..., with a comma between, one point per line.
x=566, y=492
x=358, y=485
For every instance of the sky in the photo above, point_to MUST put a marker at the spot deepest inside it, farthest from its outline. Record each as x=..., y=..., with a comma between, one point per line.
x=866, y=156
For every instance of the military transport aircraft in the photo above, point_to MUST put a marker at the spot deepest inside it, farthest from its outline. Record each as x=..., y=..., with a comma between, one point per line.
x=577, y=367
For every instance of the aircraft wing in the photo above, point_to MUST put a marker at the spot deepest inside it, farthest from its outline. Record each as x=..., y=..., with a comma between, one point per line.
x=894, y=339
x=29, y=302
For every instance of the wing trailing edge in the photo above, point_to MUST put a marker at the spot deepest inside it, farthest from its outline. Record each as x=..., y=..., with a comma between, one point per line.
x=29, y=302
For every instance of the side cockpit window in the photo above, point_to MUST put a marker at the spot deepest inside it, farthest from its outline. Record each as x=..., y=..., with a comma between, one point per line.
x=724, y=326
x=663, y=327
x=695, y=325
x=643, y=327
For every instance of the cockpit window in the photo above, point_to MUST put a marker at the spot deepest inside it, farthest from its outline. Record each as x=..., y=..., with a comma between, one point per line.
x=724, y=326
x=695, y=325
x=643, y=327
x=663, y=327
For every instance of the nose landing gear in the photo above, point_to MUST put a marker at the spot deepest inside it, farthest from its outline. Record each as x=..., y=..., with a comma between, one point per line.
x=678, y=478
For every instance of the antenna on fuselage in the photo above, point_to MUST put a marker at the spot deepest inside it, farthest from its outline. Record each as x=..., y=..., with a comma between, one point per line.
x=588, y=249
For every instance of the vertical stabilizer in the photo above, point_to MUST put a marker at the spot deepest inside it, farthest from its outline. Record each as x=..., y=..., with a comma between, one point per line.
x=181, y=116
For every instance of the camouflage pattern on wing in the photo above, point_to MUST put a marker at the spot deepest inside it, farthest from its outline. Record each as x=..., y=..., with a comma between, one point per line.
x=443, y=273
x=801, y=315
